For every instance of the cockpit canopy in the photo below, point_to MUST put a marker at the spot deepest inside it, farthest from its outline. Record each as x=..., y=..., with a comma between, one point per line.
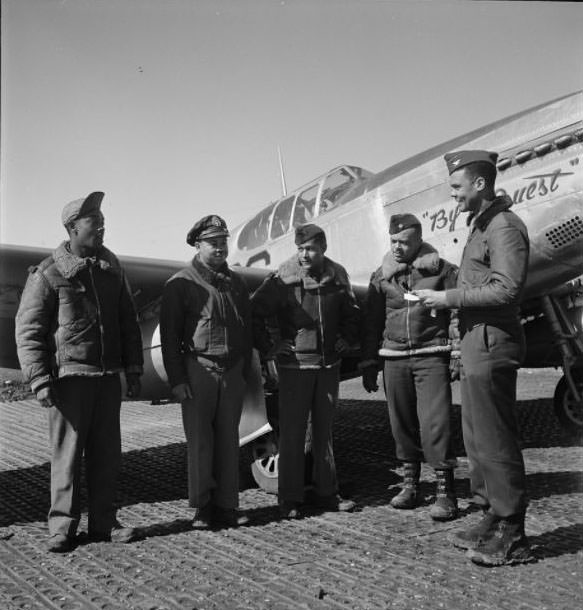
x=303, y=205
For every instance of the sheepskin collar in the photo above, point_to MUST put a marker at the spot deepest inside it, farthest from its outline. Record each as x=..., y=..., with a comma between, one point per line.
x=427, y=260
x=497, y=205
x=291, y=272
x=70, y=264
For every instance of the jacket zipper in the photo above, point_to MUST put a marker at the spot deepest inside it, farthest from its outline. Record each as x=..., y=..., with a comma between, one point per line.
x=408, y=313
x=321, y=325
x=99, y=318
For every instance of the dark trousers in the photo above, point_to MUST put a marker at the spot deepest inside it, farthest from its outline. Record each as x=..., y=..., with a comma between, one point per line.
x=84, y=424
x=301, y=392
x=490, y=359
x=211, y=426
x=418, y=395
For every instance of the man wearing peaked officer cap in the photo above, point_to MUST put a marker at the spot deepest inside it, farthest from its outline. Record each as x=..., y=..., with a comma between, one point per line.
x=207, y=227
x=311, y=299
x=413, y=345
x=490, y=284
x=205, y=329
x=82, y=390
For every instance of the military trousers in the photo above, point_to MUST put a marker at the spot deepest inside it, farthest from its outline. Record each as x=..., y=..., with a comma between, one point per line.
x=211, y=426
x=84, y=426
x=491, y=357
x=303, y=392
x=418, y=395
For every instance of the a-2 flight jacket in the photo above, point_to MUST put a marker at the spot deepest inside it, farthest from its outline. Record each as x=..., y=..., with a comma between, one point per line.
x=312, y=313
x=77, y=318
x=493, y=269
x=394, y=327
x=206, y=314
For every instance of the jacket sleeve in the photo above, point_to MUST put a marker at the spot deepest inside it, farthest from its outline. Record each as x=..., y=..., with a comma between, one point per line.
x=35, y=322
x=172, y=330
x=373, y=322
x=349, y=326
x=266, y=303
x=508, y=250
x=131, y=335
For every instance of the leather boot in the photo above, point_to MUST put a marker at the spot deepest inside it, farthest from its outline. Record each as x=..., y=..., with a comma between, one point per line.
x=407, y=498
x=470, y=538
x=507, y=545
x=445, y=506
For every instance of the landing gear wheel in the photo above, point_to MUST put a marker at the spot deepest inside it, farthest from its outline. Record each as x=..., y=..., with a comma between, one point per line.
x=568, y=410
x=265, y=462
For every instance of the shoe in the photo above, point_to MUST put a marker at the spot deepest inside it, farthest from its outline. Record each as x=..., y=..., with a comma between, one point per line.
x=118, y=533
x=334, y=503
x=407, y=498
x=202, y=517
x=228, y=517
x=445, y=505
x=289, y=510
x=60, y=543
x=471, y=537
x=507, y=545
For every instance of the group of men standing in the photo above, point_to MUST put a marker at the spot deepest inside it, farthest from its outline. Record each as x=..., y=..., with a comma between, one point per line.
x=77, y=330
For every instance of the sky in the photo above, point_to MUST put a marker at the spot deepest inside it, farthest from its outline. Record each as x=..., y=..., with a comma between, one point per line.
x=176, y=108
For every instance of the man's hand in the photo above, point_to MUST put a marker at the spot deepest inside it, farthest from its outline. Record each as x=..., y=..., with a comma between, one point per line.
x=369, y=379
x=435, y=299
x=341, y=346
x=182, y=392
x=134, y=386
x=283, y=348
x=455, y=365
x=46, y=397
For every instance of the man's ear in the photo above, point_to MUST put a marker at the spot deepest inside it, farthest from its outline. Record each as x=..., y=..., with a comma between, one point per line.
x=480, y=183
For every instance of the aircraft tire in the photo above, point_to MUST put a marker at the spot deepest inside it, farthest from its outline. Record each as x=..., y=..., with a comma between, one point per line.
x=264, y=463
x=568, y=411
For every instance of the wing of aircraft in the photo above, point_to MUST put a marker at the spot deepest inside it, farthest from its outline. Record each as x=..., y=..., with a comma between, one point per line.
x=540, y=167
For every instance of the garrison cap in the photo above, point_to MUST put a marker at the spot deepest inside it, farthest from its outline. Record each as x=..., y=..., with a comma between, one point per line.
x=307, y=232
x=207, y=227
x=82, y=207
x=400, y=222
x=461, y=158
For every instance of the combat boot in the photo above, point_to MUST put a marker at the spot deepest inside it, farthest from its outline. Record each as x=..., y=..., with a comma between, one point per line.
x=445, y=505
x=507, y=545
x=470, y=538
x=407, y=497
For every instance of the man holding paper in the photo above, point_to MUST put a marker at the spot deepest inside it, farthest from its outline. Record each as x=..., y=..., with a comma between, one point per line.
x=414, y=346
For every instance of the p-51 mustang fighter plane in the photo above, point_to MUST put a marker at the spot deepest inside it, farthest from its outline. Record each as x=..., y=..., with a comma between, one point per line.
x=540, y=167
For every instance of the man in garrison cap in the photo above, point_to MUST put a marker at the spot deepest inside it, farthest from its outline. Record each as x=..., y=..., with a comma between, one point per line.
x=489, y=288
x=311, y=298
x=413, y=346
x=205, y=328
x=76, y=331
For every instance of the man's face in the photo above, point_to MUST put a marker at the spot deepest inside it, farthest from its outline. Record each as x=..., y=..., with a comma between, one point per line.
x=311, y=255
x=466, y=191
x=405, y=245
x=88, y=231
x=213, y=251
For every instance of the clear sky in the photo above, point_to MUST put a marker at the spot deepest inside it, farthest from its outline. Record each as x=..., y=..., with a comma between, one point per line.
x=175, y=108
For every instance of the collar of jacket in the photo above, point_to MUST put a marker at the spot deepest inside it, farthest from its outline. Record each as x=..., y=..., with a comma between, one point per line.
x=291, y=272
x=482, y=219
x=209, y=275
x=70, y=264
x=427, y=259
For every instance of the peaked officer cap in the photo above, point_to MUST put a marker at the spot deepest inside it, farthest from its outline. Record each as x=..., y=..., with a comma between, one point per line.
x=400, y=222
x=82, y=207
x=461, y=158
x=307, y=232
x=207, y=227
